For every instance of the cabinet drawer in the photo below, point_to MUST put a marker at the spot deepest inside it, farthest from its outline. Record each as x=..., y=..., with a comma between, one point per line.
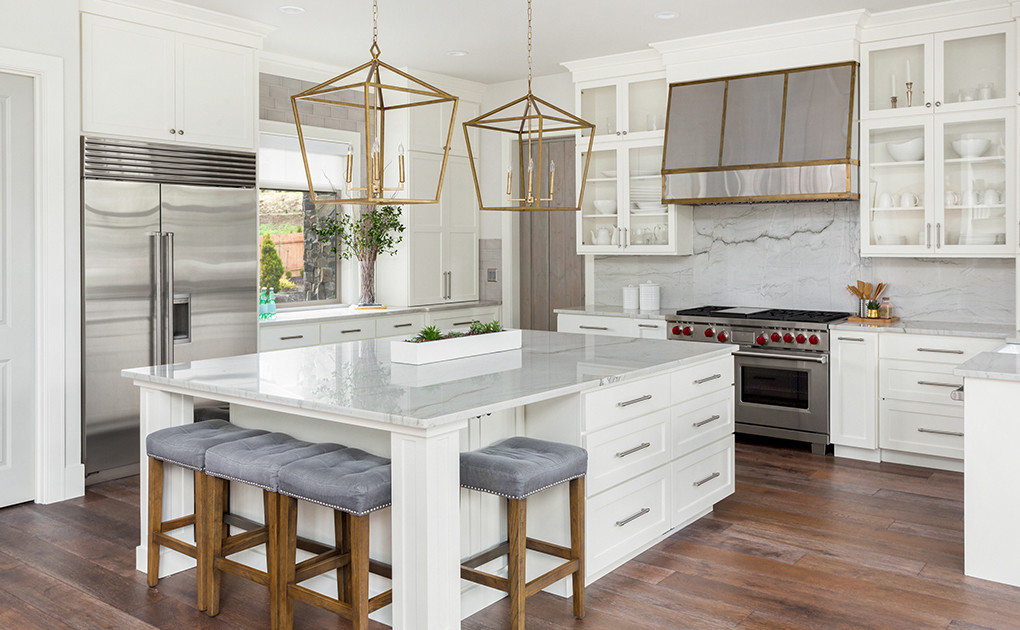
x=920, y=381
x=608, y=405
x=923, y=428
x=461, y=320
x=698, y=380
x=701, y=479
x=293, y=336
x=626, y=450
x=627, y=517
x=596, y=325
x=933, y=348
x=650, y=328
x=348, y=330
x=701, y=422
x=405, y=325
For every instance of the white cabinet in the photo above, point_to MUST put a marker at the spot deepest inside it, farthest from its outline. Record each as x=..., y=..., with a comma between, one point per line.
x=278, y=337
x=853, y=389
x=596, y=325
x=145, y=82
x=461, y=319
x=429, y=127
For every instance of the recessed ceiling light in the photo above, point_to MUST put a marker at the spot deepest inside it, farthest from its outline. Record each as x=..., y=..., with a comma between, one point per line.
x=291, y=10
x=667, y=15
x=457, y=53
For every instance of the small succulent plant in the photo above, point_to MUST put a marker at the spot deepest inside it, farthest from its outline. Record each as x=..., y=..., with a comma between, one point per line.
x=429, y=333
x=873, y=305
x=432, y=333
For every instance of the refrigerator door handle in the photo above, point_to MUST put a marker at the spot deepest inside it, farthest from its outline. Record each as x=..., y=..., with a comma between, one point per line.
x=156, y=253
x=168, y=298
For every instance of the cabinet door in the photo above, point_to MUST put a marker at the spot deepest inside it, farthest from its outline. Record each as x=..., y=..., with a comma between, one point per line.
x=127, y=79
x=425, y=232
x=215, y=93
x=974, y=68
x=853, y=397
x=460, y=232
x=599, y=223
x=887, y=68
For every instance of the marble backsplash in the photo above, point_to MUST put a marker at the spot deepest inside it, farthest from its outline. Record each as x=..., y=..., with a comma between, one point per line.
x=802, y=255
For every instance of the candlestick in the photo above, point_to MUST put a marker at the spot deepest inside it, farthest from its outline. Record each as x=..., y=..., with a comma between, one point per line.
x=909, y=80
x=892, y=100
x=910, y=86
x=892, y=85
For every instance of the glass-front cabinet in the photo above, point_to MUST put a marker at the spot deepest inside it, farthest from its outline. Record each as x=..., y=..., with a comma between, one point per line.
x=631, y=107
x=944, y=72
x=940, y=185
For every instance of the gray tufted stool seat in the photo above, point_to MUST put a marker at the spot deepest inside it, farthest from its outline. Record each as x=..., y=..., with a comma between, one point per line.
x=516, y=468
x=183, y=446
x=255, y=461
x=353, y=483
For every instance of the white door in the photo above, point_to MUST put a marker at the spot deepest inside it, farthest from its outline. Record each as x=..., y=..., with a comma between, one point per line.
x=17, y=288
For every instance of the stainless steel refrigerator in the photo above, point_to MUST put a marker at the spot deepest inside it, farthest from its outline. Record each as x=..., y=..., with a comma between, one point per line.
x=170, y=275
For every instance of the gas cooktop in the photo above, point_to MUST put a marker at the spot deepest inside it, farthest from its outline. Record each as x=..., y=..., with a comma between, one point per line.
x=767, y=314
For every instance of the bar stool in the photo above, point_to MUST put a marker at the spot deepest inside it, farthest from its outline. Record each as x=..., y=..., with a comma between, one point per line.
x=183, y=446
x=516, y=468
x=255, y=461
x=353, y=483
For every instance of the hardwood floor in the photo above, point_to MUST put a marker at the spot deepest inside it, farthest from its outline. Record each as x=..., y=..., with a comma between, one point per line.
x=806, y=543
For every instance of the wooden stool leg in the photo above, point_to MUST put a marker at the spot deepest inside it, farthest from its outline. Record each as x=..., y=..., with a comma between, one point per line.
x=212, y=545
x=517, y=533
x=341, y=533
x=358, y=537
x=201, y=488
x=155, y=518
x=274, y=564
x=577, y=542
x=288, y=560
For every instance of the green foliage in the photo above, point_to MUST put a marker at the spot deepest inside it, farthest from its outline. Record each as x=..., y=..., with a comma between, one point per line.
x=270, y=265
x=429, y=333
x=494, y=326
x=873, y=305
x=453, y=334
x=288, y=228
x=365, y=234
x=477, y=328
x=287, y=285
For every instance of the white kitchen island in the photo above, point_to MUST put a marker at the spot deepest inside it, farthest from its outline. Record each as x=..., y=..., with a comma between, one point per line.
x=655, y=416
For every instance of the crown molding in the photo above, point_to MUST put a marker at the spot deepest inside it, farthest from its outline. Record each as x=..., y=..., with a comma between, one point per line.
x=182, y=18
x=612, y=66
x=934, y=18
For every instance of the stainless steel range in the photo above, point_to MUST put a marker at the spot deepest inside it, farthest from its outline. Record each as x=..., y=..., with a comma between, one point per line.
x=781, y=369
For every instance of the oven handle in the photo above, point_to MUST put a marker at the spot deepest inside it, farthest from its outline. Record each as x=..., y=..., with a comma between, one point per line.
x=786, y=357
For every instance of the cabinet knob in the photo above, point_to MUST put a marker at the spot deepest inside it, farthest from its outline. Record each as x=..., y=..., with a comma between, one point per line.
x=938, y=103
x=180, y=132
x=618, y=133
x=173, y=131
x=624, y=133
x=928, y=104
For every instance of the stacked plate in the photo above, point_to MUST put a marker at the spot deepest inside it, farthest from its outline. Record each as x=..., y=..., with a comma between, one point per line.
x=646, y=196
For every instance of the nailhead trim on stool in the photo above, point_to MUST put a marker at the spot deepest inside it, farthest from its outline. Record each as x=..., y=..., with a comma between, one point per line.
x=515, y=469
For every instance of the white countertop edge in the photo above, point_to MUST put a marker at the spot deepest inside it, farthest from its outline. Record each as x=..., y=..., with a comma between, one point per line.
x=329, y=313
x=947, y=329
x=152, y=381
x=999, y=366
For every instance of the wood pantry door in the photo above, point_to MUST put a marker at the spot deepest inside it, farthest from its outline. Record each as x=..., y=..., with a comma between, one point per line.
x=551, y=271
x=17, y=291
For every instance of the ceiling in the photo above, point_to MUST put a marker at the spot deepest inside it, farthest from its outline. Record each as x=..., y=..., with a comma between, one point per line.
x=419, y=33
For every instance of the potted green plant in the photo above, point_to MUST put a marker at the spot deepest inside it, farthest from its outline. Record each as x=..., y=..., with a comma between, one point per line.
x=432, y=345
x=873, y=309
x=363, y=235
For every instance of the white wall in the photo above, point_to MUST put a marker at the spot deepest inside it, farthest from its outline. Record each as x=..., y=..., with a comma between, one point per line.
x=50, y=27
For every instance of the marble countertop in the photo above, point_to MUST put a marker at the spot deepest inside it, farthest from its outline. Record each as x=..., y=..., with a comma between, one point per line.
x=615, y=311
x=358, y=379
x=322, y=314
x=948, y=329
x=1003, y=364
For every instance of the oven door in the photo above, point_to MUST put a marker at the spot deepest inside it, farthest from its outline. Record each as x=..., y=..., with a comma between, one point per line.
x=784, y=390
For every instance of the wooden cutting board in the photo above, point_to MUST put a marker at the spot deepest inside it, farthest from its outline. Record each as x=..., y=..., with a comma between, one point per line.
x=877, y=321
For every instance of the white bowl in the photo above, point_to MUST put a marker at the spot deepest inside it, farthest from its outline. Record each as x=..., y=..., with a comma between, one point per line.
x=605, y=206
x=645, y=207
x=908, y=151
x=971, y=147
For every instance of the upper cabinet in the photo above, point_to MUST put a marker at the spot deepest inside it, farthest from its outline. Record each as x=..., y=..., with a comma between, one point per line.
x=940, y=167
x=952, y=71
x=150, y=83
x=632, y=107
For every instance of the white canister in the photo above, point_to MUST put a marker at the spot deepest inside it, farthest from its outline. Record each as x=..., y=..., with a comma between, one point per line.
x=649, y=296
x=630, y=298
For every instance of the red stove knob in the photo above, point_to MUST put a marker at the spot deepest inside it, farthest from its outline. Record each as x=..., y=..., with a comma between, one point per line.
x=801, y=338
x=676, y=330
x=709, y=332
x=688, y=331
x=813, y=339
x=722, y=337
x=776, y=337
x=787, y=337
x=761, y=340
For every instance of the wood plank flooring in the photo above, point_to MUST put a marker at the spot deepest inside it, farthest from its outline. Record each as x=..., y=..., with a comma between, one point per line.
x=806, y=543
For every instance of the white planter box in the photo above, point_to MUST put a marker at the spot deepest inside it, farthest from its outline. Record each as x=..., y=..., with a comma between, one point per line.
x=456, y=348
x=454, y=369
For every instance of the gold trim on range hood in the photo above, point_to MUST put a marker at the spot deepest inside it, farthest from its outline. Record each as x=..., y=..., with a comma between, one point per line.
x=815, y=150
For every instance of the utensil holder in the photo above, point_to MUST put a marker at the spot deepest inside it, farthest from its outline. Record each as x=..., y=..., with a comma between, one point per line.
x=862, y=309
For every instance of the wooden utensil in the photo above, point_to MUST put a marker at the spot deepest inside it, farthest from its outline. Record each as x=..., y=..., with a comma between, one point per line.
x=879, y=289
x=867, y=291
x=853, y=291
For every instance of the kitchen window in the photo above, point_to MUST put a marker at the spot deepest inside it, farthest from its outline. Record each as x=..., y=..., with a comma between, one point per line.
x=309, y=273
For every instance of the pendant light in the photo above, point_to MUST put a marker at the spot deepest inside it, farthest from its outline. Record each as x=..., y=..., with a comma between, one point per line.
x=529, y=120
x=384, y=96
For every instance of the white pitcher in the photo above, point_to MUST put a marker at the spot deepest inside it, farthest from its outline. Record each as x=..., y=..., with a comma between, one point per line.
x=601, y=237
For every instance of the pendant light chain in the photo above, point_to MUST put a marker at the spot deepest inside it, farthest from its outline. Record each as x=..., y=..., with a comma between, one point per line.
x=529, y=46
x=375, y=21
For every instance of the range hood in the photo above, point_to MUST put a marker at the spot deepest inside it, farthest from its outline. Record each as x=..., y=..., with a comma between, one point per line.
x=787, y=135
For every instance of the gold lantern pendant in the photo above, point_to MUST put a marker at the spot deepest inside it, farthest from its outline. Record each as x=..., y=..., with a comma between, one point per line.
x=384, y=90
x=530, y=120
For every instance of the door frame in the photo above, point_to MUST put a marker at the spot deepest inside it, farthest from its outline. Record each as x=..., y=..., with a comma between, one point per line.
x=59, y=472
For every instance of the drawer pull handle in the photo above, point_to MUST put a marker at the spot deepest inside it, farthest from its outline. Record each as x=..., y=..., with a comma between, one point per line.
x=593, y=328
x=648, y=325
x=850, y=338
x=352, y=330
x=706, y=421
x=937, y=432
x=940, y=350
x=631, y=451
x=698, y=484
x=630, y=518
x=957, y=394
x=403, y=325
x=464, y=323
x=707, y=379
x=288, y=337
x=628, y=403
x=937, y=384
